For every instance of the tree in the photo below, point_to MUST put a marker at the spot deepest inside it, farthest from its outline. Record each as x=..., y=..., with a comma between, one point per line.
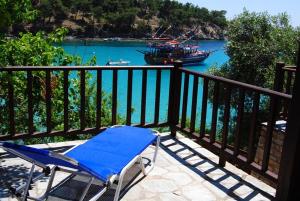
x=35, y=50
x=38, y=50
x=15, y=11
x=109, y=15
x=256, y=41
x=217, y=17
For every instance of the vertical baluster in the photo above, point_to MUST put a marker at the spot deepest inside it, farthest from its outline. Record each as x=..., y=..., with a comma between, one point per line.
x=157, y=96
x=227, y=98
x=66, y=100
x=274, y=107
x=144, y=94
x=129, y=97
x=269, y=132
x=253, y=127
x=185, y=98
x=238, y=134
x=29, y=102
x=288, y=82
x=48, y=101
x=226, y=116
x=174, y=96
x=82, y=99
x=293, y=79
x=99, y=99
x=114, y=97
x=204, y=108
x=288, y=91
x=12, y=128
x=194, y=104
x=214, y=118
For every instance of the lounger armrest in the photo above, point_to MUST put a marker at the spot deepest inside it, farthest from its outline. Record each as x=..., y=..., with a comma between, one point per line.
x=157, y=133
x=63, y=157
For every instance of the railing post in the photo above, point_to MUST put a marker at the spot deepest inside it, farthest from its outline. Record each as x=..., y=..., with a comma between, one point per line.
x=278, y=84
x=274, y=113
x=289, y=173
x=174, y=97
x=279, y=76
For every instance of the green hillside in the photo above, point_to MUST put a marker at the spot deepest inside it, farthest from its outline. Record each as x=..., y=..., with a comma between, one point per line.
x=126, y=18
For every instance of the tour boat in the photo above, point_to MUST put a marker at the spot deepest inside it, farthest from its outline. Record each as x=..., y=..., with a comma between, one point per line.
x=167, y=53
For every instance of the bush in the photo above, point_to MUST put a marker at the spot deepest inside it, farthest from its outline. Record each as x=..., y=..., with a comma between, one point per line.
x=256, y=41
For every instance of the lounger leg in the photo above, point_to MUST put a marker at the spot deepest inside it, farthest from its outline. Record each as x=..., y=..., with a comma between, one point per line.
x=49, y=186
x=87, y=188
x=144, y=170
x=156, y=149
x=21, y=187
x=142, y=166
x=98, y=195
x=121, y=177
x=25, y=192
x=118, y=189
x=51, y=179
x=148, y=169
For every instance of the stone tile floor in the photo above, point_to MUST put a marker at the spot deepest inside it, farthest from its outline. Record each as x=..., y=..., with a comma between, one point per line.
x=184, y=171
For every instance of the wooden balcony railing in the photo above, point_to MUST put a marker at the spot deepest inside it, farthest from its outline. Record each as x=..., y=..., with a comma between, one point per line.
x=228, y=100
x=67, y=130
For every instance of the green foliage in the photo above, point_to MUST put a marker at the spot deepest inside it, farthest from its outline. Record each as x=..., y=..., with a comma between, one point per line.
x=179, y=14
x=121, y=17
x=256, y=41
x=35, y=50
x=14, y=11
x=38, y=50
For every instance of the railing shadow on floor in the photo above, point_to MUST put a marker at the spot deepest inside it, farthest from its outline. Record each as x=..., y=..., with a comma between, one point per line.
x=13, y=175
x=167, y=142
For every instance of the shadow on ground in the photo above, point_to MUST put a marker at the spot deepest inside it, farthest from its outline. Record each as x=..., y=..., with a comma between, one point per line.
x=201, y=159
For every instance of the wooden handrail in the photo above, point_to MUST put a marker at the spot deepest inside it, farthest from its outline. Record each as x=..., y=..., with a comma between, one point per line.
x=238, y=84
x=39, y=68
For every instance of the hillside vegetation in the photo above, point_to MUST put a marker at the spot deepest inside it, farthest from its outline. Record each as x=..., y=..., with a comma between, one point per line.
x=126, y=18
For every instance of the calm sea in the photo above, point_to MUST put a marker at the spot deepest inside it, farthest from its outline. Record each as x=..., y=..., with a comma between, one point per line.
x=115, y=51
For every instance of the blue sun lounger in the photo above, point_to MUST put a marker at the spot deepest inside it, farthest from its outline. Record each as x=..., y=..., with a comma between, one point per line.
x=105, y=157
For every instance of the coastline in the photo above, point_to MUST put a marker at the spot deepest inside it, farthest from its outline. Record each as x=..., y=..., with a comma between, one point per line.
x=120, y=39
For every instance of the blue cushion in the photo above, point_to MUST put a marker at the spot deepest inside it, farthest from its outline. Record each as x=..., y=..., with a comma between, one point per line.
x=40, y=155
x=109, y=152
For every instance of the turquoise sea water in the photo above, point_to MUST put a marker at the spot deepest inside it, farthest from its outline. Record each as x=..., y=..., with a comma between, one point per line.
x=115, y=51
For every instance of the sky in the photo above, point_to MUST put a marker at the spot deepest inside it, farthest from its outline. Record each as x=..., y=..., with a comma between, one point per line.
x=234, y=7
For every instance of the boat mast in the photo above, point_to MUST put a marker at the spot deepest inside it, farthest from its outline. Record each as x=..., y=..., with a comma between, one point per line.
x=164, y=31
x=154, y=35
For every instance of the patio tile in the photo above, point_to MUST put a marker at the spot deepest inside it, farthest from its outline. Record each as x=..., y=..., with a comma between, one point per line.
x=171, y=197
x=180, y=179
x=159, y=185
x=197, y=192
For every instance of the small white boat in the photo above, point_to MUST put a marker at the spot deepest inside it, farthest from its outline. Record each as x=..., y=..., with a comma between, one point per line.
x=112, y=39
x=117, y=63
